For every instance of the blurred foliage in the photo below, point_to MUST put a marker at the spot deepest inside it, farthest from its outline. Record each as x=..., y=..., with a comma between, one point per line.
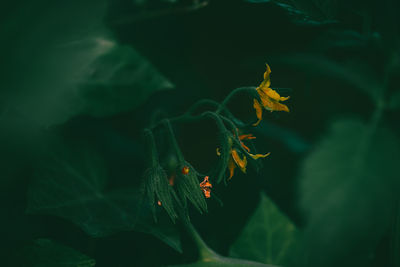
x=269, y=237
x=73, y=186
x=351, y=174
x=45, y=252
x=86, y=70
x=307, y=11
x=395, y=101
x=81, y=79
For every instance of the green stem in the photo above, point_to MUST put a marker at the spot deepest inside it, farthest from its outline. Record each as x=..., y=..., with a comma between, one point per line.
x=211, y=103
x=202, y=102
x=205, y=253
x=187, y=116
x=152, y=147
x=172, y=138
x=217, y=119
x=251, y=90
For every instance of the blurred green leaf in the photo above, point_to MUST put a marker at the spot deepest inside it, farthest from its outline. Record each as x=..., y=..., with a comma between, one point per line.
x=219, y=261
x=346, y=40
x=394, y=102
x=269, y=236
x=118, y=81
x=47, y=253
x=307, y=11
x=74, y=187
x=359, y=75
x=348, y=188
x=395, y=242
x=62, y=61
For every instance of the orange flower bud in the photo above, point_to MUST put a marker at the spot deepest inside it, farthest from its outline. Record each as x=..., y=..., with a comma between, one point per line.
x=185, y=170
x=206, y=187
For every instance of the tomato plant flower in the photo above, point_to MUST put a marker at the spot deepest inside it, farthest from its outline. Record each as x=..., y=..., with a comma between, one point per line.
x=238, y=158
x=270, y=99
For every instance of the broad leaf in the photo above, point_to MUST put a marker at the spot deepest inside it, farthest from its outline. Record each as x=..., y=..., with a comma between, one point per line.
x=269, y=236
x=224, y=262
x=215, y=260
x=360, y=76
x=47, y=253
x=348, y=190
x=118, y=81
x=395, y=233
x=74, y=187
x=307, y=11
x=62, y=61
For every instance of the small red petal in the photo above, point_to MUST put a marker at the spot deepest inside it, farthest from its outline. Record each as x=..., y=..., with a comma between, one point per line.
x=171, y=179
x=206, y=187
x=207, y=192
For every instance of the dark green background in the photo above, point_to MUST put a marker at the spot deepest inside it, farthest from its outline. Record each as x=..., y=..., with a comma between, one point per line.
x=334, y=56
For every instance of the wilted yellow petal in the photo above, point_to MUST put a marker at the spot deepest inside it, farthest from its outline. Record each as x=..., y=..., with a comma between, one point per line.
x=267, y=81
x=267, y=72
x=257, y=156
x=231, y=168
x=257, y=106
x=218, y=152
x=244, y=146
x=280, y=107
x=268, y=92
x=241, y=163
x=270, y=103
x=274, y=95
x=246, y=136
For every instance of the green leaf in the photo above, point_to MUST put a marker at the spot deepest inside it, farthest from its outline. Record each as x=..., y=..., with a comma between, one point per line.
x=307, y=11
x=224, y=262
x=74, y=187
x=269, y=236
x=361, y=76
x=348, y=190
x=57, y=74
x=47, y=253
x=220, y=261
x=118, y=81
x=394, y=102
x=395, y=242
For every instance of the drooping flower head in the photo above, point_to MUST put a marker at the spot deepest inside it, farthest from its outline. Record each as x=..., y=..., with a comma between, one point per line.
x=238, y=155
x=158, y=190
x=187, y=187
x=270, y=99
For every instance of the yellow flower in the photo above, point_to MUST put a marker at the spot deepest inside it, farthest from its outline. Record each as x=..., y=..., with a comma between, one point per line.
x=241, y=162
x=270, y=99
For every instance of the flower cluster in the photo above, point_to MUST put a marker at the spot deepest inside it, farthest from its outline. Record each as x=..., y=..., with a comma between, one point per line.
x=185, y=184
x=238, y=156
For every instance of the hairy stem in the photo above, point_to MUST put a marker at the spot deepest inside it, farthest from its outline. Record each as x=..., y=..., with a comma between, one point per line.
x=173, y=141
x=250, y=90
x=153, y=155
x=205, y=253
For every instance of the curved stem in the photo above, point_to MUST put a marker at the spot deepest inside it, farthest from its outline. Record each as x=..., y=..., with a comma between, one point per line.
x=217, y=119
x=205, y=253
x=173, y=141
x=233, y=93
x=152, y=146
x=202, y=102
